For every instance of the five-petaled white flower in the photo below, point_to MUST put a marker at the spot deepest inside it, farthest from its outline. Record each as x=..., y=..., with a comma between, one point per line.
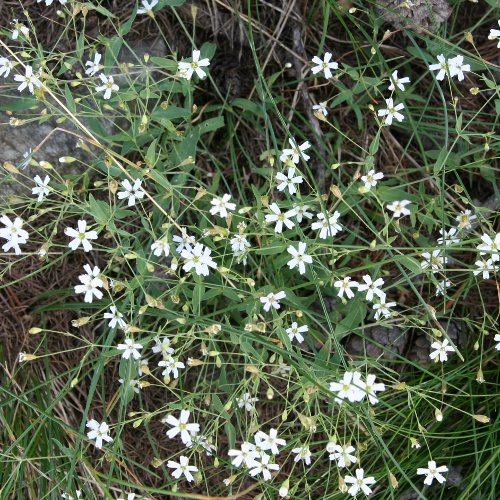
x=182, y=468
x=186, y=69
x=321, y=108
x=398, y=82
x=5, y=67
x=448, y=237
x=280, y=217
x=147, y=7
x=485, y=267
x=14, y=233
x=94, y=66
x=299, y=257
x=160, y=247
x=382, y=309
x=108, y=86
x=130, y=348
x=324, y=65
x=98, y=432
x=162, y=346
x=457, y=67
x=441, y=350
x=296, y=331
x=290, y=180
x=90, y=284
x=182, y=427
x=132, y=192
x=441, y=67
x=442, y=286
x=19, y=28
x=350, y=387
x=432, y=472
x=344, y=285
x=247, y=401
x=29, y=79
x=328, y=225
x=372, y=287
x=465, y=219
x=247, y=454
x=115, y=318
x=434, y=260
x=496, y=338
x=264, y=467
x=41, y=189
x=343, y=455
x=80, y=236
x=171, y=367
x=272, y=300
x=269, y=441
x=301, y=211
x=371, y=178
x=399, y=208
x=302, y=453
x=198, y=258
x=295, y=152
x=391, y=111
x=184, y=241
x=359, y=483
x=370, y=388
x=495, y=35
x=222, y=206
x=490, y=245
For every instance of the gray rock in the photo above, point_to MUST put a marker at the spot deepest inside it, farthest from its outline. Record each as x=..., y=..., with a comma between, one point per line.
x=379, y=341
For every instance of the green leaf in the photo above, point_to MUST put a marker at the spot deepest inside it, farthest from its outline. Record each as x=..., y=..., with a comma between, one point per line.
x=165, y=63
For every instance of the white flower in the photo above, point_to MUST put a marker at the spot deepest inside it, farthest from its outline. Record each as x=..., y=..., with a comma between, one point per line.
x=302, y=453
x=441, y=67
x=160, y=247
x=484, y=267
x=99, y=432
x=344, y=285
x=115, y=318
x=441, y=350
x=187, y=69
x=296, y=331
x=19, y=28
x=198, y=258
x=325, y=66
x=182, y=427
x=299, y=257
x=490, y=245
x=321, y=108
x=90, y=283
x=147, y=7
x=49, y=2
x=5, y=67
x=203, y=442
x=448, y=237
x=348, y=387
x=80, y=236
x=497, y=339
x=41, y=188
x=162, y=346
x=342, y=454
x=399, y=208
x=272, y=300
x=382, y=309
x=247, y=455
x=370, y=388
x=495, y=35
x=391, y=111
x=130, y=348
x=29, y=80
x=442, y=286
x=288, y=181
x=435, y=261
x=269, y=441
x=171, y=367
x=280, y=218
x=457, y=67
x=14, y=233
x=398, y=82
x=108, y=86
x=327, y=225
x=182, y=468
x=132, y=192
x=432, y=472
x=239, y=244
x=133, y=384
x=295, y=152
x=301, y=211
x=246, y=401
x=222, y=206
x=371, y=178
x=372, y=287
x=359, y=483
x=184, y=241
x=94, y=66
x=465, y=219
x=264, y=467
